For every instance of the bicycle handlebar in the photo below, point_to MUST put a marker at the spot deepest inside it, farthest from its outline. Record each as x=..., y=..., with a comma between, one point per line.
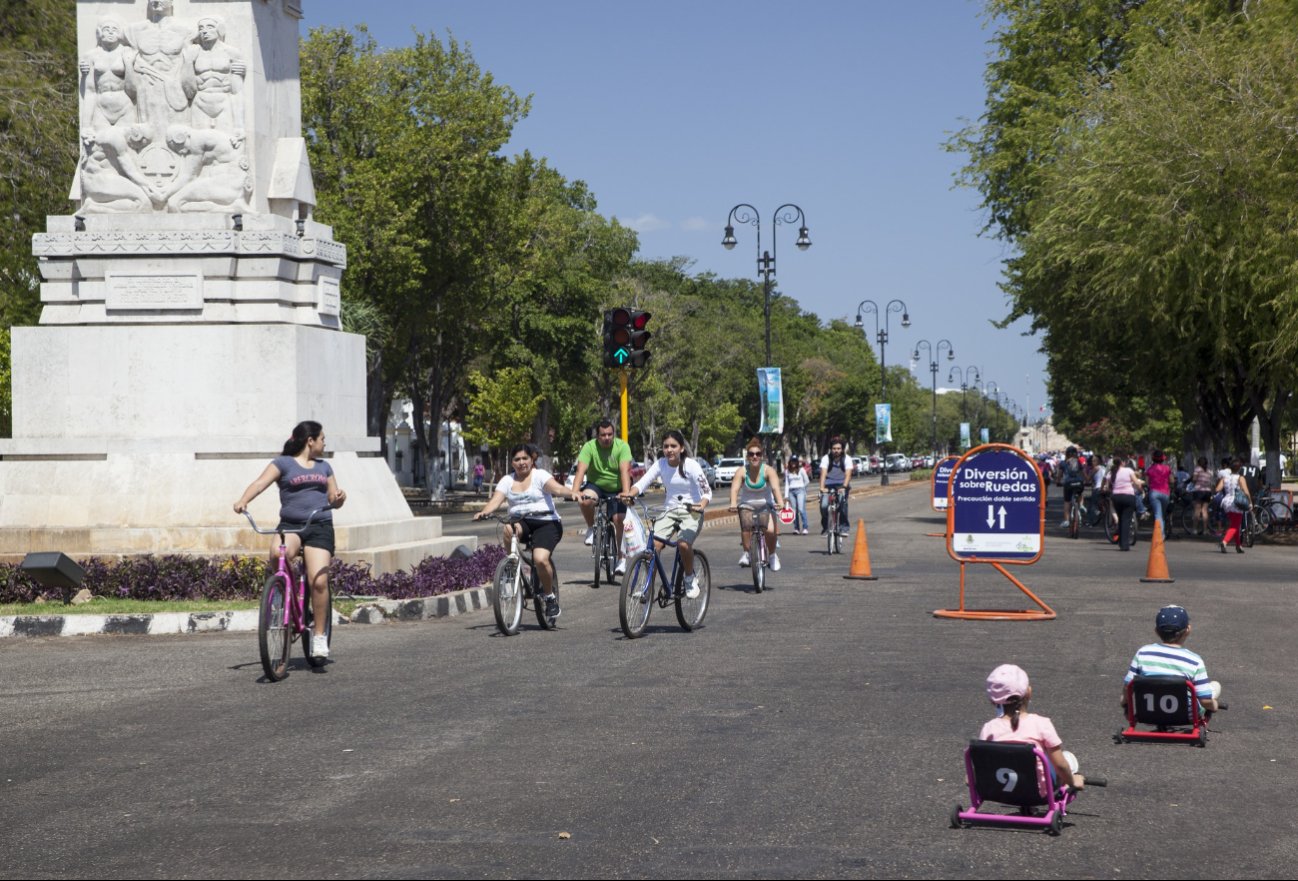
x=280, y=531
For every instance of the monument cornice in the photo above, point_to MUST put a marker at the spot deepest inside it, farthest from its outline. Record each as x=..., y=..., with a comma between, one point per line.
x=144, y=243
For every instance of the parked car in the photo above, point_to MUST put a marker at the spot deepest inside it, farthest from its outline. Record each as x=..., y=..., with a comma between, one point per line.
x=897, y=462
x=710, y=471
x=726, y=469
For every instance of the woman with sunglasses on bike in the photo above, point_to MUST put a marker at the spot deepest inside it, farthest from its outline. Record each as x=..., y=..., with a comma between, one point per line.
x=688, y=494
x=529, y=492
x=757, y=487
x=306, y=483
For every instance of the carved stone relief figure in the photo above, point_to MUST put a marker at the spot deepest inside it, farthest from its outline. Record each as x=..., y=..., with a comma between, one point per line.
x=109, y=178
x=162, y=117
x=160, y=42
x=217, y=71
x=213, y=172
x=105, y=98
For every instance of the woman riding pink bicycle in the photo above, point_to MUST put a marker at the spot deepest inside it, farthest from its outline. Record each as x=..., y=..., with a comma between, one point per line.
x=306, y=482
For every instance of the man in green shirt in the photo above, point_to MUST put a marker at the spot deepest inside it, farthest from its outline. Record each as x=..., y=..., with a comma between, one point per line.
x=607, y=460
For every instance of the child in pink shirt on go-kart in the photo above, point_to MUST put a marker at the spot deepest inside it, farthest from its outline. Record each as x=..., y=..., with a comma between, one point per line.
x=1008, y=689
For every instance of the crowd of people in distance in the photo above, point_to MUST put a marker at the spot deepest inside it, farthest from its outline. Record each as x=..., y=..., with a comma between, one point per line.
x=1125, y=488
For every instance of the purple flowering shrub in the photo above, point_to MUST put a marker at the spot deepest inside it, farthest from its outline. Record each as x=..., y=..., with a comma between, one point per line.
x=432, y=576
x=174, y=577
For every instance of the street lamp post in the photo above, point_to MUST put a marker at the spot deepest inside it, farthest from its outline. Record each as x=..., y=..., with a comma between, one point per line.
x=995, y=397
x=967, y=375
x=786, y=213
x=881, y=336
x=933, y=355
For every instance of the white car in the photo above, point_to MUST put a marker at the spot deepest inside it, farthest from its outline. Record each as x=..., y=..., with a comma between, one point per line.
x=726, y=469
x=897, y=462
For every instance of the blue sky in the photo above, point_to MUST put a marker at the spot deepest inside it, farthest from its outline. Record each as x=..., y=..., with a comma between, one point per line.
x=673, y=112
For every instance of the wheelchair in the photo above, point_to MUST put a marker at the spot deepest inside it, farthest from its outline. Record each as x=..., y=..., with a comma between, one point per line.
x=1169, y=704
x=1008, y=774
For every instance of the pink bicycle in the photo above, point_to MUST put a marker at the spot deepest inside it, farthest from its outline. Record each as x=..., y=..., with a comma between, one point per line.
x=284, y=614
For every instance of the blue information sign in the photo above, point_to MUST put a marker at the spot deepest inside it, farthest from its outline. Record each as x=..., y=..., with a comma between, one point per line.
x=997, y=507
x=941, y=479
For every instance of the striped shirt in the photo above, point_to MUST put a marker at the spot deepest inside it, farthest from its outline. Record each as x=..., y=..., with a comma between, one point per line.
x=1161, y=659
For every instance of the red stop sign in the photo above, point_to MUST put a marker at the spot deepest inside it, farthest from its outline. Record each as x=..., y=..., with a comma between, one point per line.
x=787, y=516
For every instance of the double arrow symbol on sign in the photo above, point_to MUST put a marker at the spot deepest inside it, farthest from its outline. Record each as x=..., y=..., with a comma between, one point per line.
x=991, y=516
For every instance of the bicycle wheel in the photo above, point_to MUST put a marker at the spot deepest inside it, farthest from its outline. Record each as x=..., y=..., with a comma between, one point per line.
x=1186, y=518
x=310, y=631
x=690, y=612
x=538, y=597
x=838, y=542
x=610, y=551
x=1113, y=528
x=1248, y=528
x=1074, y=520
x=598, y=548
x=758, y=556
x=274, y=636
x=507, y=596
x=1265, y=520
x=1217, y=522
x=636, y=598
x=1281, y=516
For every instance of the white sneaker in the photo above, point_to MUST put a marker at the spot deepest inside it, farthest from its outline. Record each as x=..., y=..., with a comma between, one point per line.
x=692, y=590
x=590, y=538
x=743, y=559
x=620, y=568
x=774, y=562
x=319, y=646
x=1064, y=524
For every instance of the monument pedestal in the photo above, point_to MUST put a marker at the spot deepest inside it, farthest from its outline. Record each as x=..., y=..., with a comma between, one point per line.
x=134, y=439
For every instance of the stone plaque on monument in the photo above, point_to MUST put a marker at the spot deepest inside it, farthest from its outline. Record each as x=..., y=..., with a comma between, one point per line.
x=151, y=291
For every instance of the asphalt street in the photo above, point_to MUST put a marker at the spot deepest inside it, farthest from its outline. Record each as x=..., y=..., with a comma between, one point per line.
x=815, y=730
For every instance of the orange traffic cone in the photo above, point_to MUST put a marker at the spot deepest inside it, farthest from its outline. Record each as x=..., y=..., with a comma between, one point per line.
x=860, y=570
x=1156, y=570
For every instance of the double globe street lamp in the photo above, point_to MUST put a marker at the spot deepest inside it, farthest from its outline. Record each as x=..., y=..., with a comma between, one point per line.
x=934, y=353
x=881, y=336
x=787, y=213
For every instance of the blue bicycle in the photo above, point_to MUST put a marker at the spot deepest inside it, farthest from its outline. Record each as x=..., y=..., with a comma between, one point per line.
x=638, y=597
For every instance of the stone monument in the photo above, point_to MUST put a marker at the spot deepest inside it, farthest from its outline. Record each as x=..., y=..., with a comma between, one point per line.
x=191, y=304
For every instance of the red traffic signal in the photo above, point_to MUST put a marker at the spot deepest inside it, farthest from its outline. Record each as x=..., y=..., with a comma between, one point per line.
x=625, y=338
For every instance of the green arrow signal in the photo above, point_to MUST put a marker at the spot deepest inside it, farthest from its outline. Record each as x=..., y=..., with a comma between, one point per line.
x=621, y=355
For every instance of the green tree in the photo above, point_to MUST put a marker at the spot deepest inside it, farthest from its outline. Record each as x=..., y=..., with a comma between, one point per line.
x=404, y=145
x=38, y=151
x=500, y=408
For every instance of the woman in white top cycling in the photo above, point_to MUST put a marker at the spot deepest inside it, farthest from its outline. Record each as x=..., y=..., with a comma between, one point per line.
x=530, y=493
x=757, y=486
x=688, y=494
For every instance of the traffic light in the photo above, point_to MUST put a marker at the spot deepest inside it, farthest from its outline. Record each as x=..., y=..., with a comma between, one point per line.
x=625, y=338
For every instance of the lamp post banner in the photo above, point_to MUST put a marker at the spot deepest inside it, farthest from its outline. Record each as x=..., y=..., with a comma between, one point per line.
x=883, y=423
x=984, y=435
x=770, y=388
x=964, y=436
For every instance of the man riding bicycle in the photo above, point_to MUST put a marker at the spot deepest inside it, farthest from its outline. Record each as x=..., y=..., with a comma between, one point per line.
x=608, y=460
x=835, y=473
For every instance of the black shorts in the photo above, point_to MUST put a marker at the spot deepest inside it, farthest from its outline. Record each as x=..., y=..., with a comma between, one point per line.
x=544, y=534
x=320, y=534
x=619, y=507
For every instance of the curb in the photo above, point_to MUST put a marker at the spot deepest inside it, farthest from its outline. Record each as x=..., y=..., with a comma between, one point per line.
x=444, y=606
x=169, y=623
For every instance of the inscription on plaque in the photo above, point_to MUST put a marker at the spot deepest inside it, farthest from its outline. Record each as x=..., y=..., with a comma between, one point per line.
x=154, y=291
x=329, y=297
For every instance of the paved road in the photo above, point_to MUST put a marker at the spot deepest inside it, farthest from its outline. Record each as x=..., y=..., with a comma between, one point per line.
x=815, y=730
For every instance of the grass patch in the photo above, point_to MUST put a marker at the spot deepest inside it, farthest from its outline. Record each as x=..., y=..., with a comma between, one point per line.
x=105, y=606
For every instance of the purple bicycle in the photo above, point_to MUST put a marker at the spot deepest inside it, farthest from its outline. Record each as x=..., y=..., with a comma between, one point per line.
x=284, y=613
